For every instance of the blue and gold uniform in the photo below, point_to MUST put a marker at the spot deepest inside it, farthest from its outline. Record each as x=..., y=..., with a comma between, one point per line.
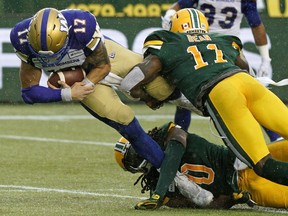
x=53, y=40
x=81, y=42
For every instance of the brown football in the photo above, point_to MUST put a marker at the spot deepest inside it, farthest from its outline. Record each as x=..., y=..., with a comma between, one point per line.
x=68, y=75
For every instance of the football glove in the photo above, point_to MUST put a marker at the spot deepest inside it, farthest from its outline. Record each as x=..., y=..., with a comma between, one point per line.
x=243, y=197
x=265, y=69
x=154, y=202
x=166, y=19
x=154, y=104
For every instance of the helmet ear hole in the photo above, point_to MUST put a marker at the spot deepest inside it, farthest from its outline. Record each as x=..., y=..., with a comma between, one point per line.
x=120, y=150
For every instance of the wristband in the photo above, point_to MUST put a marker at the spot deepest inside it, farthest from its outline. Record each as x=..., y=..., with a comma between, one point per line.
x=88, y=82
x=264, y=51
x=66, y=94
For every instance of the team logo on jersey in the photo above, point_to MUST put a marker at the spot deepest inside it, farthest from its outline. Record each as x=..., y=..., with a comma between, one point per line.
x=185, y=26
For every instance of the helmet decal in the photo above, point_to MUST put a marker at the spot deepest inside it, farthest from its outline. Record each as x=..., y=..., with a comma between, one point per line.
x=43, y=40
x=194, y=18
x=189, y=20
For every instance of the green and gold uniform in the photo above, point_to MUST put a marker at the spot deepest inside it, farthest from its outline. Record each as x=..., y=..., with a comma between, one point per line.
x=203, y=67
x=184, y=57
x=211, y=166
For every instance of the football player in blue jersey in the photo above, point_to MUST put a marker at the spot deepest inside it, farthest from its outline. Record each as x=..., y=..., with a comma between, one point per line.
x=52, y=40
x=225, y=17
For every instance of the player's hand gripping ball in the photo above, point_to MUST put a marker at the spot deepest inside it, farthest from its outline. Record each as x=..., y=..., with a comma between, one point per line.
x=69, y=76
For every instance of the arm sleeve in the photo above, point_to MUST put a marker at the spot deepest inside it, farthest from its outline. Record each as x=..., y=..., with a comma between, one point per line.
x=173, y=155
x=187, y=3
x=40, y=94
x=249, y=9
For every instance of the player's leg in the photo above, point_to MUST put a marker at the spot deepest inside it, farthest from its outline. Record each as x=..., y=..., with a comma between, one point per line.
x=279, y=150
x=263, y=192
x=232, y=106
x=271, y=112
x=182, y=117
x=105, y=105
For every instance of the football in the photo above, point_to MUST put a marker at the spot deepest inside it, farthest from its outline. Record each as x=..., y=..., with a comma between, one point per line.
x=68, y=75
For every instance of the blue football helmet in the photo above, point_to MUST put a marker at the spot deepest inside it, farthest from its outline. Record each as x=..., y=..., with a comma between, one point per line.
x=48, y=36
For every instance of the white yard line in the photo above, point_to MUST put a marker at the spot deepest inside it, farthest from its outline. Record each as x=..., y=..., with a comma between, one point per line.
x=40, y=189
x=43, y=139
x=85, y=117
x=72, y=117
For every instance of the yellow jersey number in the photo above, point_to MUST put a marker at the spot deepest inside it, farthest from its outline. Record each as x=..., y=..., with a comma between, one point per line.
x=199, y=59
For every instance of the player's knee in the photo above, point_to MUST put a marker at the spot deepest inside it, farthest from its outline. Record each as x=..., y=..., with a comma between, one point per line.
x=125, y=115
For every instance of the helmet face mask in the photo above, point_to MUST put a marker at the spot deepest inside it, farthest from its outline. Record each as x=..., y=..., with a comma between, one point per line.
x=128, y=159
x=48, y=36
x=189, y=20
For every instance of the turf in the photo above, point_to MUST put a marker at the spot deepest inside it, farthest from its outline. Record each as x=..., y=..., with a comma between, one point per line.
x=58, y=160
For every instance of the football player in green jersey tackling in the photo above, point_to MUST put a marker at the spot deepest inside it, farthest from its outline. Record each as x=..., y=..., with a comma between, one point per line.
x=208, y=70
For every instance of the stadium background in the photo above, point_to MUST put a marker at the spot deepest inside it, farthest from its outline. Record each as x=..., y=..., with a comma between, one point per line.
x=129, y=22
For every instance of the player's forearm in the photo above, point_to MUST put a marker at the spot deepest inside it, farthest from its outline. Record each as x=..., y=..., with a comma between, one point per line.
x=259, y=34
x=173, y=154
x=99, y=73
x=97, y=65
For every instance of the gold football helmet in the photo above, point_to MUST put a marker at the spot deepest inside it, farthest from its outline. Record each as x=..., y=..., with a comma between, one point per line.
x=48, y=36
x=189, y=20
x=128, y=159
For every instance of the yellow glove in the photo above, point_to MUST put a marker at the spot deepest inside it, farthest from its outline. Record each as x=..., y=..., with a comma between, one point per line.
x=154, y=202
x=243, y=197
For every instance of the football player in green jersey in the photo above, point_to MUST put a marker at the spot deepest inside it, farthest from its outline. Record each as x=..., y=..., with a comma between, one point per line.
x=213, y=167
x=208, y=70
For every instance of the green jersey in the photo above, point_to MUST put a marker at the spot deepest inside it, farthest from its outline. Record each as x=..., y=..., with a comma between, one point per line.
x=209, y=165
x=194, y=62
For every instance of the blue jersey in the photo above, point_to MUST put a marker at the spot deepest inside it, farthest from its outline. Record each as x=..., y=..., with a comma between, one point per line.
x=225, y=16
x=84, y=36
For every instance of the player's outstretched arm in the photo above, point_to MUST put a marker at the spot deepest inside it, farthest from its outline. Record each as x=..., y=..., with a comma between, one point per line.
x=32, y=92
x=141, y=75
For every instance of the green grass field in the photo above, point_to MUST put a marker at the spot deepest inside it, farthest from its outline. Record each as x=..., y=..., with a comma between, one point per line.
x=59, y=160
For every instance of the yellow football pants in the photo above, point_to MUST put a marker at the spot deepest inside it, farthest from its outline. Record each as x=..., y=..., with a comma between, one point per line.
x=263, y=191
x=238, y=106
